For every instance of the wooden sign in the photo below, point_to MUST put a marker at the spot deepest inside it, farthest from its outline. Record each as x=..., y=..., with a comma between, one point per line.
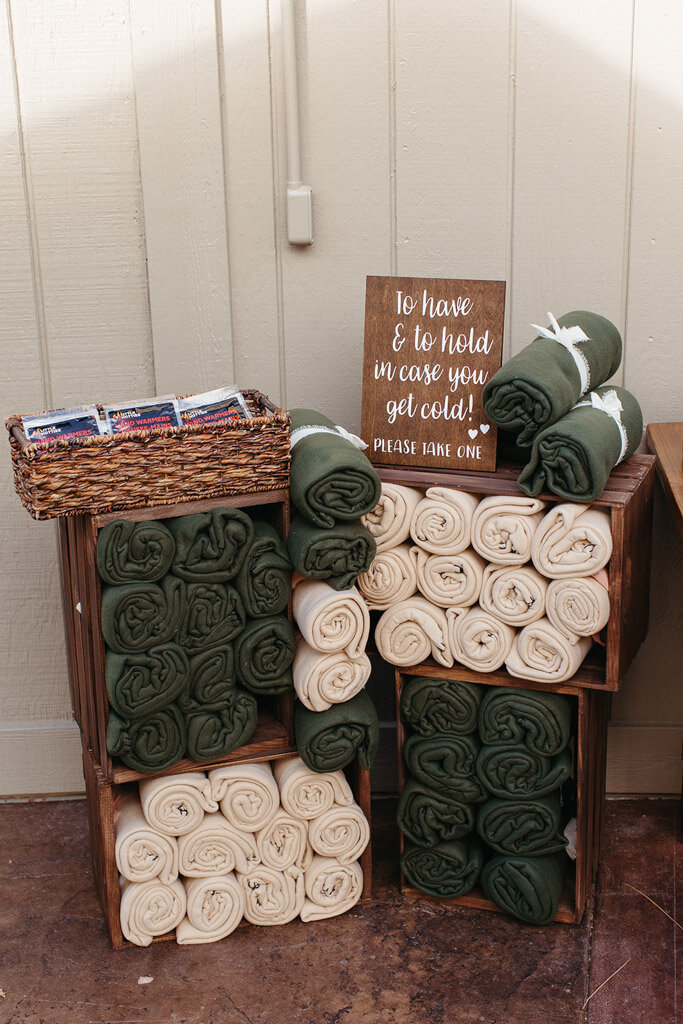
x=430, y=347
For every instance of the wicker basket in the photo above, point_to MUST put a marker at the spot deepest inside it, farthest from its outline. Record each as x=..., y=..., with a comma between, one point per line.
x=144, y=467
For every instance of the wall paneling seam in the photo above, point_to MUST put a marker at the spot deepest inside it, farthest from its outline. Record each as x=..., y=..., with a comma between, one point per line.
x=277, y=212
x=393, y=184
x=628, y=198
x=220, y=65
x=512, y=123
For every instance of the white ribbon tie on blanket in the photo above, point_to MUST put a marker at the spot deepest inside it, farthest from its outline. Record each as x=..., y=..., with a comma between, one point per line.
x=609, y=403
x=300, y=432
x=569, y=337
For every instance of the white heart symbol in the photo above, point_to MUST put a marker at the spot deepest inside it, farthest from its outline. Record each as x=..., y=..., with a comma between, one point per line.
x=473, y=433
x=484, y=427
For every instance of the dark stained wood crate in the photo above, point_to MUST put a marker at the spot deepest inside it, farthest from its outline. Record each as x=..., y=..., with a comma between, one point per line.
x=590, y=717
x=628, y=499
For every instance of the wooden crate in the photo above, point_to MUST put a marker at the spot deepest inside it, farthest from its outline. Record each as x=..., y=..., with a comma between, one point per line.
x=86, y=650
x=591, y=713
x=101, y=797
x=628, y=499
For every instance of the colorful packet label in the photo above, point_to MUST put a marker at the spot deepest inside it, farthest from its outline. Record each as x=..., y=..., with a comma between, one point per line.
x=157, y=413
x=83, y=421
x=212, y=407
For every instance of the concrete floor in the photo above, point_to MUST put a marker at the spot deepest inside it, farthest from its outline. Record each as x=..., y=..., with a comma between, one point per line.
x=390, y=961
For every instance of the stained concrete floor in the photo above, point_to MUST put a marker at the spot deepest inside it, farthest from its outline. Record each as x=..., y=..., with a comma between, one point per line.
x=387, y=962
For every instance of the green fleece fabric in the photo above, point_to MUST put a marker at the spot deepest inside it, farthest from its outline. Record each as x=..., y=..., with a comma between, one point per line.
x=330, y=479
x=574, y=456
x=264, y=653
x=430, y=705
x=539, y=721
x=331, y=739
x=427, y=817
x=542, y=382
x=447, y=870
x=336, y=554
x=517, y=772
x=138, y=684
x=151, y=744
x=530, y=828
x=528, y=888
x=134, y=552
x=138, y=616
x=445, y=764
x=217, y=731
x=211, y=679
x=264, y=580
x=211, y=546
x=213, y=616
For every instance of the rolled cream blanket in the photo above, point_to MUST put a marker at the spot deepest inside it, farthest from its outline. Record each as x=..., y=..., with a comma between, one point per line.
x=341, y=832
x=138, y=684
x=389, y=521
x=150, y=744
x=331, y=620
x=412, y=631
x=330, y=740
x=539, y=721
x=138, y=616
x=247, y=793
x=427, y=816
x=284, y=842
x=543, y=381
x=446, y=870
x=264, y=580
x=130, y=552
x=176, y=804
x=331, y=888
x=543, y=654
x=221, y=728
x=392, y=577
x=214, y=615
x=478, y=639
x=306, y=794
x=272, y=897
x=321, y=680
x=214, y=847
x=577, y=607
x=444, y=706
x=215, y=906
x=442, y=522
x=519, y=772
x=151, y=908
x=141, y=852
x=336, y=554
x=515, y=594
x=446, y=764
x=503, y=528
x=264, y=653
x=530, y=828
x=528, y=888
x=572, y=540
x=448, y=580
x=211, y=546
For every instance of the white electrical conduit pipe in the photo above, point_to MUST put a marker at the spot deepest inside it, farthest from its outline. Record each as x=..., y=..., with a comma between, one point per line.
x=299, y=209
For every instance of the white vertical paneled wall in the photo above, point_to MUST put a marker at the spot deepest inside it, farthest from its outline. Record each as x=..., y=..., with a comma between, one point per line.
x=144, y=245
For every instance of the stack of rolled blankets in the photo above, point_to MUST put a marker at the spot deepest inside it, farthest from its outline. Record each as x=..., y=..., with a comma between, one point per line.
x=194, y=621
x=487, y=582
x=482, y=799
x=198, y=852
x=332, y=485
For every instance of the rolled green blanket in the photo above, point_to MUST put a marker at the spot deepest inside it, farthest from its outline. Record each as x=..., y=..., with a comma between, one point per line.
x=531, y=718
x=264, y=580
x=130, y=552
x=574, y=456
x=138, y=684
x=544, y=380
x=211, y=679
x=264, y=653
x=330, y=478
x=331, y=739
x=138, y=616
x=217, y=731
x=530, y=828
x=447, y=870
x=528, y=888
x=427, y=817
x=213, y=616
x=337, y=554
x=211, y=546
x=447, y=706
x=150, y=744
x=519, y=772
x=446, y=764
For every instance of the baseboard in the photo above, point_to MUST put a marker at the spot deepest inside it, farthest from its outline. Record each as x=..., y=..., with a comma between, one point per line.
x=36, y=760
